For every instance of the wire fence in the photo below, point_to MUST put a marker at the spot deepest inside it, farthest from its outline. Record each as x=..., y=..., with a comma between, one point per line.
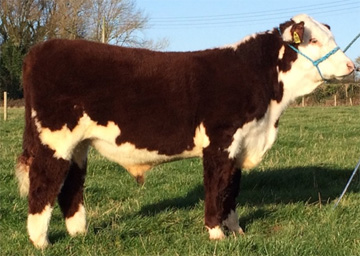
x=345, y=94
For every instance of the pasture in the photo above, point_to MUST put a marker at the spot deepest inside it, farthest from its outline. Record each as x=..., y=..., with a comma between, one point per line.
x=285, y=204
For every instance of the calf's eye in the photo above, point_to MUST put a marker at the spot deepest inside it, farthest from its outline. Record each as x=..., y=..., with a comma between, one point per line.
x=313, y=40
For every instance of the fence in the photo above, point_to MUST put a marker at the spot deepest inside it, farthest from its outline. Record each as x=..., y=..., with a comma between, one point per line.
x=326, y=95
x=332, y=95
x=5, y=106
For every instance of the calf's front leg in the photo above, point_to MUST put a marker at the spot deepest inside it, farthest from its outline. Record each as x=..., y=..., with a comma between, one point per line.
x=222, y=182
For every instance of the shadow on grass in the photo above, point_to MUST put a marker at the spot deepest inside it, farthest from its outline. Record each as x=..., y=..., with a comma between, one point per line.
x=312, y=185
x=189, y=201
x=299, y=184
x=56, y=236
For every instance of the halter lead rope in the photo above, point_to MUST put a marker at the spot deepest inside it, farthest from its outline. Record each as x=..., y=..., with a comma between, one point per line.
x=316, y=62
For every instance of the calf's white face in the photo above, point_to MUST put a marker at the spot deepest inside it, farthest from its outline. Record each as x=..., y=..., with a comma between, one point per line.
x=317, y=42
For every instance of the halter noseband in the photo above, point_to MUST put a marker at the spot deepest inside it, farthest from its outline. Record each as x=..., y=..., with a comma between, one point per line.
x=316, y=62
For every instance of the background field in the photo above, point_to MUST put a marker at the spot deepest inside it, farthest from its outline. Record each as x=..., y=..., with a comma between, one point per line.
x=285, y=204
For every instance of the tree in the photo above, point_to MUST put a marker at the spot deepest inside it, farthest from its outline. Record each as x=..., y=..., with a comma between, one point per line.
x=21, y=25
x=10, y=69
x=121, y=20
x=24, y=23
x=68, y=19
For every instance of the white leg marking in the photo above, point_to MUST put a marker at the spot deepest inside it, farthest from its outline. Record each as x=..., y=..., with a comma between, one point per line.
x=232, y=223
x=216, y=233
x=77, y=223
x=22, y=174
x=37, y=226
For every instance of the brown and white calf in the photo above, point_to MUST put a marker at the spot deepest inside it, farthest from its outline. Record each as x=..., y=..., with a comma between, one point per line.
x=140, y=108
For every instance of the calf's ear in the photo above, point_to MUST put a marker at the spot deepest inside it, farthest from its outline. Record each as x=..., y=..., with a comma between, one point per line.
x=297, y=32
x=292, y=32
x=326, y=25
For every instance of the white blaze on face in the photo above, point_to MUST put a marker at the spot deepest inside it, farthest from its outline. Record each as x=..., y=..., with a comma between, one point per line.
x=317, y=42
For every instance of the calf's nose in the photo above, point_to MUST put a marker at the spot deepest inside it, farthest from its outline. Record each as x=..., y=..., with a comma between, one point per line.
x=350, y=66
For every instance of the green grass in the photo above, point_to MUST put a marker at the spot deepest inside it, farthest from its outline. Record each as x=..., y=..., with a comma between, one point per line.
x=285, y=204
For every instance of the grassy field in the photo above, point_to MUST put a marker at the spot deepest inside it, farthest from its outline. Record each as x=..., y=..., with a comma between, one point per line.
x=285, y=204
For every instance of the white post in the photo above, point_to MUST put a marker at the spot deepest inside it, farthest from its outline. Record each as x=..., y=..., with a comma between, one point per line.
x=5, y=106
x=335, y=100
x=346, y=93
x=103, y=31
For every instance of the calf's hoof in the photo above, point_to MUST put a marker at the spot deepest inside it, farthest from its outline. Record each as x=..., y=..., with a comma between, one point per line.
x=40, y=243
x=216, y=233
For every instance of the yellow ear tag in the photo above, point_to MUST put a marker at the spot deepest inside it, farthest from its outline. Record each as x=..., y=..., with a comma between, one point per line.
x=297, y=39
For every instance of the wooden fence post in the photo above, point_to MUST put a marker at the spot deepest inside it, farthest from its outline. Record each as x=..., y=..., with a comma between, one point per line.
x=335, y=100
x=5, y=106
x=103, y=31
x=346, y=93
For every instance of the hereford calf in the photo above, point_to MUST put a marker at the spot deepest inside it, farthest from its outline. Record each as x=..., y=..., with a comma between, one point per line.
x=140, y=108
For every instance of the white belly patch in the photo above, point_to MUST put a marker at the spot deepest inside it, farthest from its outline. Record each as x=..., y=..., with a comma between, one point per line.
x=128, y=155
x=103, y=139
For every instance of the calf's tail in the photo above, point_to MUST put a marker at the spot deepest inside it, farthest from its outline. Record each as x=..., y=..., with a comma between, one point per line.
x=22, y=168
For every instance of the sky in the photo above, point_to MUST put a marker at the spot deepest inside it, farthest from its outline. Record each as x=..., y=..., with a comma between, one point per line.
x=190, y=25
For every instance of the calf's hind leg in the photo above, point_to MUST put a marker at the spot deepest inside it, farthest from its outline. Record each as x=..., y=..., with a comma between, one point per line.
x=46, y=175
x=71, y=199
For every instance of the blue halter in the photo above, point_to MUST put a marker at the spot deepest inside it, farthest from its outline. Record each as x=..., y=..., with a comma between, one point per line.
x=316, y=62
